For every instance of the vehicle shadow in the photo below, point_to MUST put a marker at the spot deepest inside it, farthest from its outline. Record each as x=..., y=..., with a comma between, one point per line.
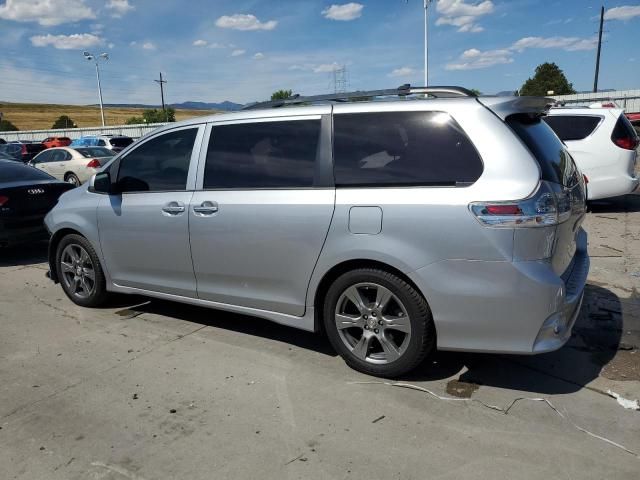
x=238, y=323
x=625, y=203
x=593, y=344
x=22, y=255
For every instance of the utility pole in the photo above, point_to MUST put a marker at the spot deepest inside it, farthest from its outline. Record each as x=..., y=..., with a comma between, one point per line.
x=426, y=42
x=162, y=82
x=340, y=79
x=595, y=81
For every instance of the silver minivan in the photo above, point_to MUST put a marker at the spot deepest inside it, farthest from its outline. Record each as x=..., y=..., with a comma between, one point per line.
x=395, y=227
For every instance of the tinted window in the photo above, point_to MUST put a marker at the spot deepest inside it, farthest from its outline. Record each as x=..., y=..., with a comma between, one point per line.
x=555, y=162
x=121, y=142
x=572, y=127
x=262, y=155
x=159, y=164
x=16, y=172
x=403, y=148
x=43, y=157
x=101, y=143
x=90, y=152
x=58, y=156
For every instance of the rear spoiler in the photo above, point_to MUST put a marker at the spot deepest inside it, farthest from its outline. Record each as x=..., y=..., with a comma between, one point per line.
x=505, y=106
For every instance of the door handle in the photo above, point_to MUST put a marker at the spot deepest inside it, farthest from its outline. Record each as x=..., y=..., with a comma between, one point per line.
x=205, y=208
x=173, y=208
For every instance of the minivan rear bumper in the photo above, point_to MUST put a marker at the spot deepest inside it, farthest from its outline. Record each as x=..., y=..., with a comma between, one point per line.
x=504, y=307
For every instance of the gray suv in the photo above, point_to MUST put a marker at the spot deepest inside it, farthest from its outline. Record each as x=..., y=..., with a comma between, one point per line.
x=395, y=227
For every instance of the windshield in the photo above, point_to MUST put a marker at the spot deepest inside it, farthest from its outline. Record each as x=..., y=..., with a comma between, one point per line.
x=91, y=152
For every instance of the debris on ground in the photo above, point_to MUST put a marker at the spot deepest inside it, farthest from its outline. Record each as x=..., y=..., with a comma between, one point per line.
x=461, y=389
x=378, y=419
x=625, y=403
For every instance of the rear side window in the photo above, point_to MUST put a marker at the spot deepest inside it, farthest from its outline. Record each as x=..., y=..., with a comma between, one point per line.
x=573, y=127
x=90, y=152
x=120, y=142
x=263, y=155
x=161, y=164
x=403, y=149
x=555, y=162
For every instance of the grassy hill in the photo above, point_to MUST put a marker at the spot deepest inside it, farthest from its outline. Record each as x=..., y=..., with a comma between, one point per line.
x=34, y=116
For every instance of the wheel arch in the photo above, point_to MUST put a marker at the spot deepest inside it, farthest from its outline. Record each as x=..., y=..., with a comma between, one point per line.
x=54, y=241
x=334, y=272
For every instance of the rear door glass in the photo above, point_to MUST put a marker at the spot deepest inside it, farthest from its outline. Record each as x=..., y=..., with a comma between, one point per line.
x=556, y=164
x=573, y=127
x=403, y=149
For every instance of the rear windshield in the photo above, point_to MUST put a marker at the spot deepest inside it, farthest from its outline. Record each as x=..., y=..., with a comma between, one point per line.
x=91, y=152
x=555, y=162
x=121, y=142
x=17, y=172
x=34, y=147
x=573, y=127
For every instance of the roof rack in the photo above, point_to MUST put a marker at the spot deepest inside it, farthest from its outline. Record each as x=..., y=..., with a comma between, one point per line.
x=401, y=91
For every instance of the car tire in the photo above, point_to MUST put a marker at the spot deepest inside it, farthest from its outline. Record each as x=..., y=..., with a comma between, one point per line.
x=80, y=273
x=379, y=323
x=72, y=178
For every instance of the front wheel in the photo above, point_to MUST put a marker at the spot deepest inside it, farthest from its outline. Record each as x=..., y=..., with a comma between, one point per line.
x=378, y=322
x=73, y=179
x=80, y=272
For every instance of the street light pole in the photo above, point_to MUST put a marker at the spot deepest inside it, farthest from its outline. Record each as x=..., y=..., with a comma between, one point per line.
x=90, y=57
x=426, y=42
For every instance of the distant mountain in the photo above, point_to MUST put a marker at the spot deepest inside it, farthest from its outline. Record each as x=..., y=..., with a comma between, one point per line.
x=226, y=106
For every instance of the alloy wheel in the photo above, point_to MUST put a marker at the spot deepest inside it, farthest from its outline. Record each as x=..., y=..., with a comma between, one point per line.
x=77, y=271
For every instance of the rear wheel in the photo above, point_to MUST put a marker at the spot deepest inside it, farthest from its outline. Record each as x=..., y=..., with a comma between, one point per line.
x=378, y=323
x=80, y=272
x=73, y=179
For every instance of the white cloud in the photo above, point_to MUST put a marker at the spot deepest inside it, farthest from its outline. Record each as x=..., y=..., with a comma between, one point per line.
x=402, y=72
x=625, y=12
x=238, y=52
x=345, y=12
x=148, y=46
x=111, y=45
x=474, y=59
x=239, y=21
x=325, y=67
x=258, y=56
x=46, y=12
x=119, y=7
x=463, y=15
x=66, y=42
x=217, y=45
x=569, y=44
x=200, y=43
x=296, y=68
x=133, y=43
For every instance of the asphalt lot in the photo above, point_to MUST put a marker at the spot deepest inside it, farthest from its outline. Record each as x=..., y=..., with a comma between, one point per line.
x=153, y=390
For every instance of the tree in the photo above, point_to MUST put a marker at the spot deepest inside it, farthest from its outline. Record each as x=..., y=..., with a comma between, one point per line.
x=476, y=92
x=281, y=95
x=64, y=121
x=7, y=126
x=154, y=115
x=548, y=77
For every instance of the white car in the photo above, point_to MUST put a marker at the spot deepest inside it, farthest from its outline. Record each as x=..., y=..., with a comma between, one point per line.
x=603, y=144
x=73, y=165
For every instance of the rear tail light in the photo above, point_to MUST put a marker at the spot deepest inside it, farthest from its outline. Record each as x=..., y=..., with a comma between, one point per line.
x=545, y=208
x=3, y=200
x=628, y=143
x=94, y=163
x=23, y=150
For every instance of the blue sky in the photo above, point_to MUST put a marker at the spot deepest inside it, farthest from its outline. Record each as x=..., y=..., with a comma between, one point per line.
x=242, y=50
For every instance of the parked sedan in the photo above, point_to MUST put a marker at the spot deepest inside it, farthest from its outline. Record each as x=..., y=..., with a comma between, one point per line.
x=28, y=149
x=51, y=142
x=26, y=195
x=116, y=143
x=73, y=165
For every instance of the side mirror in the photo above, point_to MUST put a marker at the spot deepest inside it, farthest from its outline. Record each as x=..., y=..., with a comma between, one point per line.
x=102, y=183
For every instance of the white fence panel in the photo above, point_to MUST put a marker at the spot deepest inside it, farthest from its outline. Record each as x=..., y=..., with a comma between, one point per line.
x=627, y=99
x=133, y=131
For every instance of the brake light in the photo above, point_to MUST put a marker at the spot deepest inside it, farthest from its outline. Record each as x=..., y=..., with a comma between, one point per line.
x=3, y=200
x=545, y=208
x=23, y=149
x=586, y=179
x=628, y=143
x=94, y=163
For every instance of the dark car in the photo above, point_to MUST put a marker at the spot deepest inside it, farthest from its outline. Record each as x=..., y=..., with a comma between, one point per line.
x=2, y=141
x=28, y=150
x=26, y=196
